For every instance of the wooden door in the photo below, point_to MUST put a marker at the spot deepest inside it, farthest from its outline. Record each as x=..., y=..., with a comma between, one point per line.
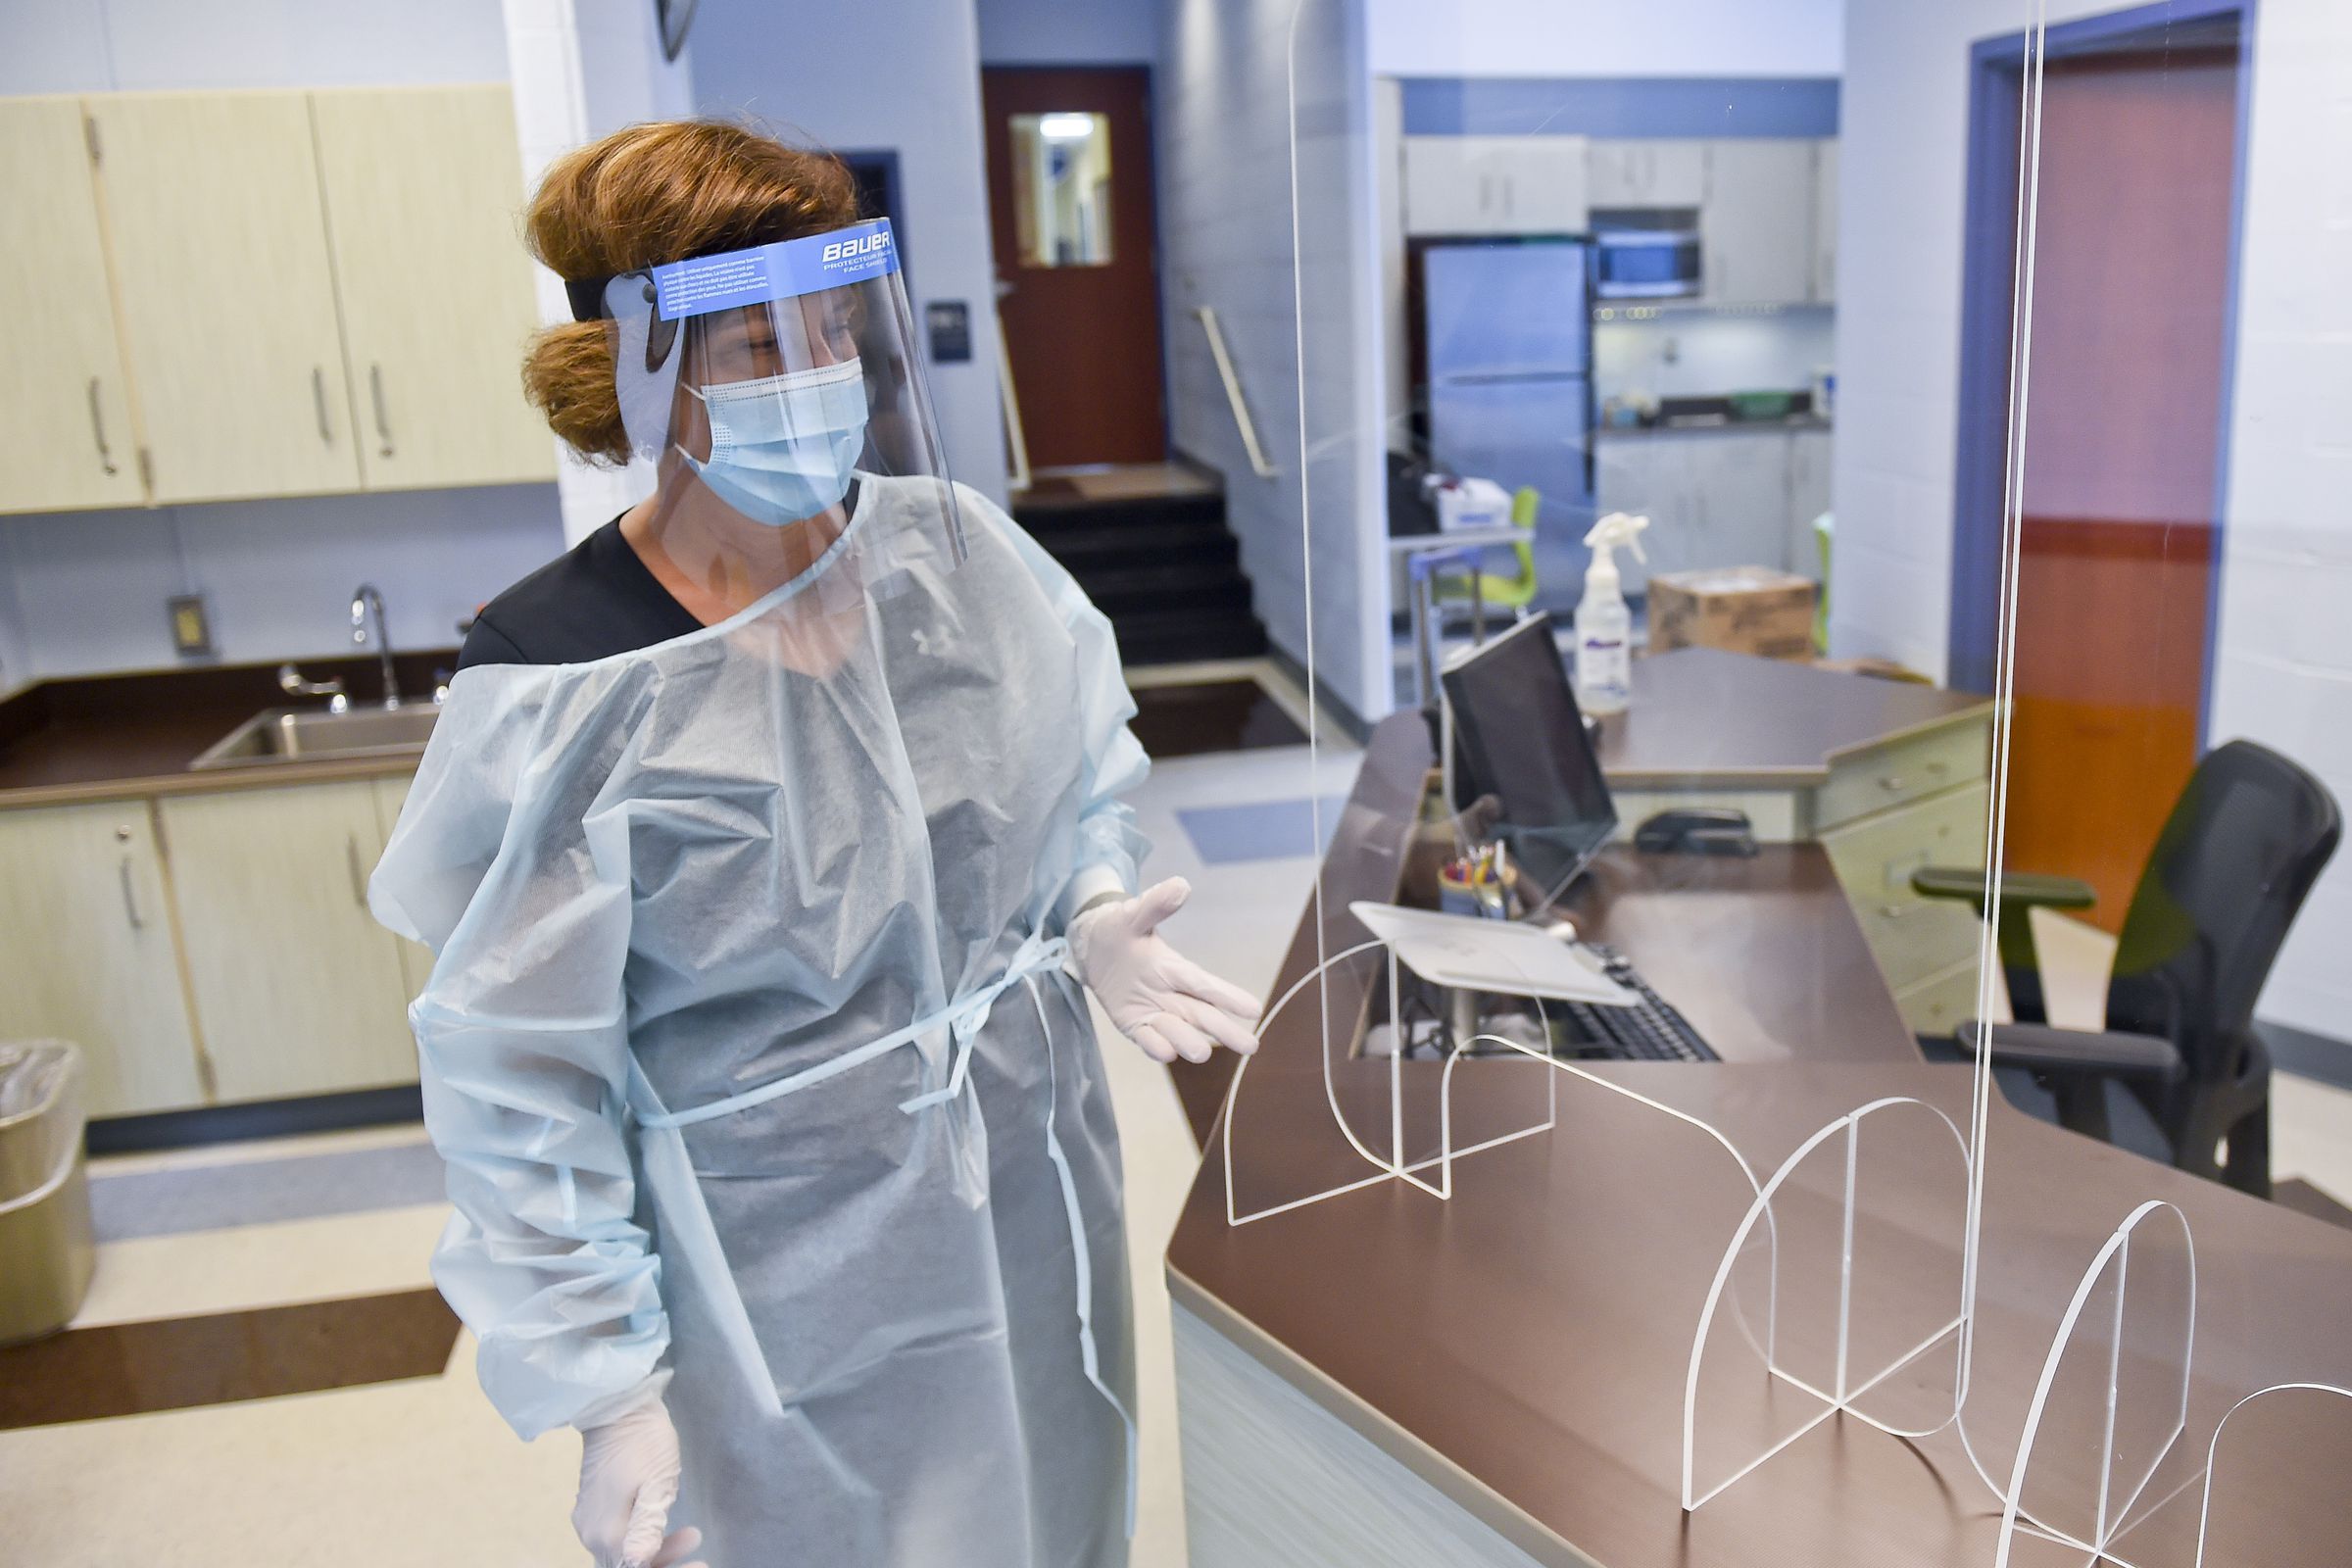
x=298, y=990
x=424, y=195
x=227, y=300
x=86, y=953
x=66, y=400
x=2121, y=439
x=1069, y=179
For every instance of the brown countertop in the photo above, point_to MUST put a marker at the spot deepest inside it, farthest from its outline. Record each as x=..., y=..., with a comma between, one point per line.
x=1523, y=1346
x=1703, y=714
x=105, y=737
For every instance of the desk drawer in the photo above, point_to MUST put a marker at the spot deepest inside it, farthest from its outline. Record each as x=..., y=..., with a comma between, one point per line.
x=1942, y=1003
x=1888, y=776
x=1912, y=938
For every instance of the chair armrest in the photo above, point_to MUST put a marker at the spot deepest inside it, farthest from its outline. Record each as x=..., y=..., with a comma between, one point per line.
x=2110, y=1054
x=2019, y=889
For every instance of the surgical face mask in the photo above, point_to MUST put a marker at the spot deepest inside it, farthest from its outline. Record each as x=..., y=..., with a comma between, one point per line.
x=783, y=447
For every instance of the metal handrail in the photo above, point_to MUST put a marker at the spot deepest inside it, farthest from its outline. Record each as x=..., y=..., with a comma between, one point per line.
x=1233, y=392
x=1016, y=441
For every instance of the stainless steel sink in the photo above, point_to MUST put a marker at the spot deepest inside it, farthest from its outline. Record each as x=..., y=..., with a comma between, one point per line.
x=315, y=735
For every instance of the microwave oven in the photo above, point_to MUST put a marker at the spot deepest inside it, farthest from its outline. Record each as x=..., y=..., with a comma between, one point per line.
x=1645, y=263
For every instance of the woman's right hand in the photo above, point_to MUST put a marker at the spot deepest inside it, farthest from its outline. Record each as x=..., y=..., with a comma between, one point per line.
x=628, y=1481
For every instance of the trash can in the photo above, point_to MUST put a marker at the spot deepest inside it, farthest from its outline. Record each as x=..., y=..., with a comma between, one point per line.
x=46, y=1248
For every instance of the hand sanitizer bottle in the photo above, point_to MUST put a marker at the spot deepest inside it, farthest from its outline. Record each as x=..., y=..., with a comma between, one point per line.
x=1605, y=627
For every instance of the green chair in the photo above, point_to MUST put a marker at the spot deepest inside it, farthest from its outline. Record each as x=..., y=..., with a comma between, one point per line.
x=1824, y=527
x=1515, y=594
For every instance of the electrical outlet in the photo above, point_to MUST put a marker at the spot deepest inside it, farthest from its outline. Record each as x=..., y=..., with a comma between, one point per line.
x=191, y=627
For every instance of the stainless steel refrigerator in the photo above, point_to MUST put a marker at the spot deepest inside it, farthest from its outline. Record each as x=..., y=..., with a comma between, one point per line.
x=1506, y=361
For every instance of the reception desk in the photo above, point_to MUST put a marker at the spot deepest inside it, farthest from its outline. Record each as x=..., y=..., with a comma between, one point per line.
x=1384, y=1378
x=1885, y=775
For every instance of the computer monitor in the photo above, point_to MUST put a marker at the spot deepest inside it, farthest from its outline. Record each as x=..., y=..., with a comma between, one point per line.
x=1523, y=741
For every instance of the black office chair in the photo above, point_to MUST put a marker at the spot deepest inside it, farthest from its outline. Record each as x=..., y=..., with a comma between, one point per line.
x=2238, y=856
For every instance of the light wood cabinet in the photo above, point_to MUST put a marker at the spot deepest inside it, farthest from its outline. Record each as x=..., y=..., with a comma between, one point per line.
x=1494, y=185
x=424, y=191
x=87, y=953
x=229, y=303
x=415, y=959
x=1755, y=228
x=65, y=401
x=297, y=989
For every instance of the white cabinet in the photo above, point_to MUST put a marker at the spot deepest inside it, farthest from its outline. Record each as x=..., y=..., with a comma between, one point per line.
x=1740, y=485
x=65, y=402
x=1809, y=454
x=1643, y=474
x=1825, y=222
x=1494, y=185
x=1757, y=227
x=422, y=188
x=228, y=304
x=86, y=951
x=1714, y=498
x=1647, y=174
x=297, y=989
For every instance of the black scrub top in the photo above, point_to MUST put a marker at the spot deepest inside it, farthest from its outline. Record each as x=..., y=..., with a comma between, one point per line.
x=594, y=601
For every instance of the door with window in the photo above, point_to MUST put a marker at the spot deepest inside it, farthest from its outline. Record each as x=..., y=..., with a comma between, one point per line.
x=2119, y=522
x=1069, y=178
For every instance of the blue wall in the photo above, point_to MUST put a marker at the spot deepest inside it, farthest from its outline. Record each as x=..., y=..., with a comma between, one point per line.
x=1649, y=106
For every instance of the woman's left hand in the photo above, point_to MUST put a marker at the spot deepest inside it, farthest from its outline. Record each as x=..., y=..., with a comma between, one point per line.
x=1158, y=998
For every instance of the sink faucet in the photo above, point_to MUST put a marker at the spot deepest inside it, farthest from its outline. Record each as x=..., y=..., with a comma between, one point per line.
x=367, y=600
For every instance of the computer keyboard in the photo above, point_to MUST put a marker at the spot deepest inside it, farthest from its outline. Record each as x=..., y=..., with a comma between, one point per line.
x=1649, y=1031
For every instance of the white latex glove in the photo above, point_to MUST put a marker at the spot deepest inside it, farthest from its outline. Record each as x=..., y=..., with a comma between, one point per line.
x=628, y=1480
x=1158, y=998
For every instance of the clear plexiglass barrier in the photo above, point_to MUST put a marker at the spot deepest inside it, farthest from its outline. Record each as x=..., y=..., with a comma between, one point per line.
x=1906, y=466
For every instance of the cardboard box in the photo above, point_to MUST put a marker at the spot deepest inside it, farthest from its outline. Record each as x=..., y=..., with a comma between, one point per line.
x=1743, y=609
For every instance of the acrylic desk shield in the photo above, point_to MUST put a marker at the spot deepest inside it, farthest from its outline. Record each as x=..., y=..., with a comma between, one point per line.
x=2087, y=1397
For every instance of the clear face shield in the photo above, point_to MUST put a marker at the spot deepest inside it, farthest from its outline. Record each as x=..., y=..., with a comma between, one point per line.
x=780, y=393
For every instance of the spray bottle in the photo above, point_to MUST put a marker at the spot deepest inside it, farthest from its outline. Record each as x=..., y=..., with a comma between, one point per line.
x=1605, y=627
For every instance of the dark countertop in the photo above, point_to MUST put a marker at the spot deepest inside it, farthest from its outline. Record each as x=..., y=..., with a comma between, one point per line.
x=1700, y=714
x=1792, y=421
x=1523, y=1346
x=104, y=737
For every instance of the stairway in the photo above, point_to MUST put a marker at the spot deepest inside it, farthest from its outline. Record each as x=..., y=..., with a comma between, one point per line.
x=1162, y=566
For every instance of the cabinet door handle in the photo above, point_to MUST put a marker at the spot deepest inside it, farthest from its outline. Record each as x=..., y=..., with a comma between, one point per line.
x=319, y=397
x=1891, y=783
x=106, y=457
x=1485, y=194
x=1901, y=911
x=359, y=875
x=383, y=420
x=130, y=896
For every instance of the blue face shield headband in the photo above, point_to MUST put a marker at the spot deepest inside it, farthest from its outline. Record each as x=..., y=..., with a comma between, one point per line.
x=810, y=379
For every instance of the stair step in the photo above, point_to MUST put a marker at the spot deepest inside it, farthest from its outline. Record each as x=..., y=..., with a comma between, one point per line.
x=1185, y=636
x=1160, y=584
x=1158, y=542
x=1058, y=517
x=1166, y=569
